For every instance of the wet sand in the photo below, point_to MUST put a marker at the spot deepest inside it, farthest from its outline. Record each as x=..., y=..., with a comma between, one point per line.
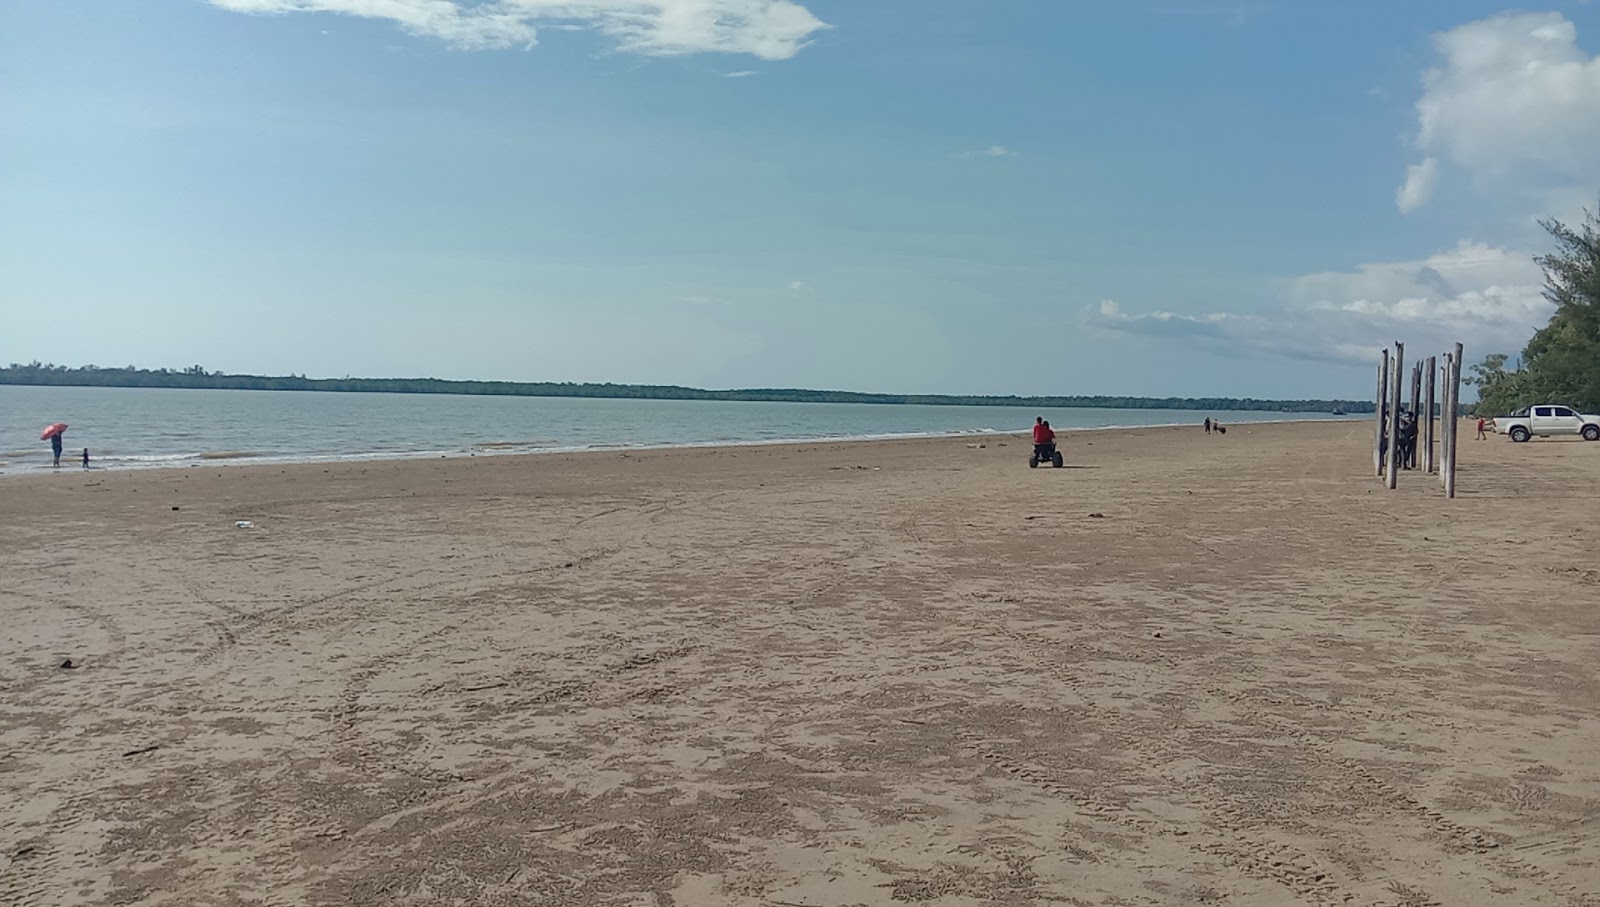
x=1186, y=670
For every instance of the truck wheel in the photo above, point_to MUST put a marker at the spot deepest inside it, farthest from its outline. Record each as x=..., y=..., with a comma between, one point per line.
x=1591, y=433
x=1520, y=434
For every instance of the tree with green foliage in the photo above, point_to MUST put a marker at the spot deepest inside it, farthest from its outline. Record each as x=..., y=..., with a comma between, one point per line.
x=1499, y=390
x=1561, y=364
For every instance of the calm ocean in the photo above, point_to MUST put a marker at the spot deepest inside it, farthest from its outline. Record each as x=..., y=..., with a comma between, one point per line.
x=140, y=427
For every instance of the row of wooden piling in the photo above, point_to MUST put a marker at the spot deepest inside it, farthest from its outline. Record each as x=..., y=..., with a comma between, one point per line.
x=1390, y=386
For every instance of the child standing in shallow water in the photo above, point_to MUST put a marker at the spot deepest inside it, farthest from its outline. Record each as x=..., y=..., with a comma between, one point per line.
x=86, y=458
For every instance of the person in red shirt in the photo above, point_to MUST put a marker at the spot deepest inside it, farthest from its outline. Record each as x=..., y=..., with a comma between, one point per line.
x=1044, y=437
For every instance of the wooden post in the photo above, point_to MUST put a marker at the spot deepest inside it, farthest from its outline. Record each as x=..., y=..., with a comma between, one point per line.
x=1429, y=462
x=1455, y=423
x=1416, y=389
x=1392, y=421
x=1444, y=418
x=1383, y=396
x=1416, y=403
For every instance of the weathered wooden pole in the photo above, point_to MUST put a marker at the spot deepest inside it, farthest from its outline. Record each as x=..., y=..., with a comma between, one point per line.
x=1379, y=408
x=1392, y=420
x=1416, y=402
x=1455, y=423
x=1444, y=418
x=1429, y=462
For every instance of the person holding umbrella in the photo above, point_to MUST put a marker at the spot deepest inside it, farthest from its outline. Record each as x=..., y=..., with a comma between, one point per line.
x=53, y=433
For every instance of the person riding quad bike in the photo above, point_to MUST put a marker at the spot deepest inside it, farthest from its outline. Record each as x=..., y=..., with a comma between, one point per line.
x=1044, y=445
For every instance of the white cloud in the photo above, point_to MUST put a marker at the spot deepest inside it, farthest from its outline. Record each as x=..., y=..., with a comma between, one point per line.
x=768, y=29
x=1418, y=188
x=1484, y=297
x=991, y=151
x=1514, y=103
x=743, y=73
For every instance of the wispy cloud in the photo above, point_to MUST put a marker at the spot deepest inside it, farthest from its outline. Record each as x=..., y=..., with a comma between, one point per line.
x=1488, y=298
x=991, y=151
x=768, y=29
x=739, y=75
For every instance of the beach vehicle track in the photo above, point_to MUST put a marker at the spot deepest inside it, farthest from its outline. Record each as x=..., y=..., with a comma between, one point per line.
x=619, y=681
x=1489, y=852
x=1237, y=815
x=236, y=625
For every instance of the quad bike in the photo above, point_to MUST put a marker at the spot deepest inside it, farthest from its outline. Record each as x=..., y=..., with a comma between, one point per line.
x=1045, y=453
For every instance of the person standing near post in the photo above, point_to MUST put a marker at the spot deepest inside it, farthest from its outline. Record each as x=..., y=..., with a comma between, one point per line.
x=1481, y=426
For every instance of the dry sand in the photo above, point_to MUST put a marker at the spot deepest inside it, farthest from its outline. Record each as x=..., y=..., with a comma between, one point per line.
x=1189, y=670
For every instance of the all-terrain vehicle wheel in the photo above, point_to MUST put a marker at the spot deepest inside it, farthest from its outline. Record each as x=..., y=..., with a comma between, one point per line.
x=1058, y=460
x=1033, y=462
x=1520, y=434
x=1591, y=433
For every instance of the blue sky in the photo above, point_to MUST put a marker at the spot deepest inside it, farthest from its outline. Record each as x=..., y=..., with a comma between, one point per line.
x=1143, y=197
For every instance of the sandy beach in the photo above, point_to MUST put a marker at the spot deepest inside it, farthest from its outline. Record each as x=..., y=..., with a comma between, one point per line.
x=1187, y=670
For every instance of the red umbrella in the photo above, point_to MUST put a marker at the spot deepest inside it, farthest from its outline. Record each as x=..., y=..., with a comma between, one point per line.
x=54, y=429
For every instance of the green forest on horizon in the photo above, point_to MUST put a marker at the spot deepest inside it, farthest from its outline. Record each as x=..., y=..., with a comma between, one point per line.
x=197, y=377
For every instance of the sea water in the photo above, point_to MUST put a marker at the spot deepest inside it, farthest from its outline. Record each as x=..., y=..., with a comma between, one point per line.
x=143, y=427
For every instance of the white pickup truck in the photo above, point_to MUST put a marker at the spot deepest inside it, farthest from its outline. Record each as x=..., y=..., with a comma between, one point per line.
x=1545, y=421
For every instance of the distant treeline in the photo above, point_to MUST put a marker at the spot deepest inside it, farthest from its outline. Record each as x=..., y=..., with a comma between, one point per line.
x=195, y=376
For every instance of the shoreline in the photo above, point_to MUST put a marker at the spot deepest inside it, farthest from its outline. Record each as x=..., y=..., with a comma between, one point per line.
x=488, y=450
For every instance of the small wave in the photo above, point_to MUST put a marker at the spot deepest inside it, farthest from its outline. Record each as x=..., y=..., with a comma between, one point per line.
x=535, y=444
x=139, y=458
x=229, y=454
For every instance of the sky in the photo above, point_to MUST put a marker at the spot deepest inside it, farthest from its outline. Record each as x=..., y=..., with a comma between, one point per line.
x=1142, y=197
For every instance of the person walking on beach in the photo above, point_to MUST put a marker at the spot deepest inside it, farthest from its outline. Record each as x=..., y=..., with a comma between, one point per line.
x=1482, y=424
x=1208, y=425
x=86, y=458
x=55, y=447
